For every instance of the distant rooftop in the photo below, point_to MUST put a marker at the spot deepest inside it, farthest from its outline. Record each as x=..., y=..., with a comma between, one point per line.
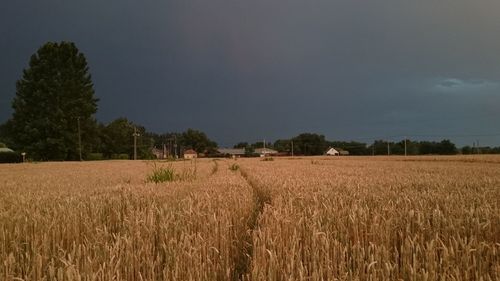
x=265, y=151
x=5, y=149
x=231, y=151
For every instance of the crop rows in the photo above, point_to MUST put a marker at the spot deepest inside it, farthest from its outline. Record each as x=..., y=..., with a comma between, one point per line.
x=289, y=219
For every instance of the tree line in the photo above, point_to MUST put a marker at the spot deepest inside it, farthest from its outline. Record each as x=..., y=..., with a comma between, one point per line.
x=317, y=144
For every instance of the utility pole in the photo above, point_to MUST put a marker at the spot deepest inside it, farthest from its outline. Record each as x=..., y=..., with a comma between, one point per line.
x=388, y=149
x=169, y=154
x=135, y=142
x=292, y=148
x=405, y=147
x=175, y=146
x=79, y=138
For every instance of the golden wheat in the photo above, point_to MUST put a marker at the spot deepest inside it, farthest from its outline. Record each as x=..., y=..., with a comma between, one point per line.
x=371, y=218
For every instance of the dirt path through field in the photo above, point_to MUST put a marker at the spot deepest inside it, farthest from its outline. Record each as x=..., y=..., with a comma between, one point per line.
x=261, y=197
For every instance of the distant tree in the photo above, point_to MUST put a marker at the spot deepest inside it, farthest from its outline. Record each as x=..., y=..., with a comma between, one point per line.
x=260, y=144
x=467, y=150
x=486, y=150
x=241, y=145
x=283, y=145
x=6, y=134
x=446, y=147
x=198, y=141
x=55, y=91
x=398, y=148
x=310, y=144
x=354, y=148
x=411, y=147
x=427, y=147
x=118, y=138
x=379, y=147
x=164, y=138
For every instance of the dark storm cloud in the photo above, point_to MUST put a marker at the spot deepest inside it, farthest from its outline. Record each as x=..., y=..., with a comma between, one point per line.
x=247, y=70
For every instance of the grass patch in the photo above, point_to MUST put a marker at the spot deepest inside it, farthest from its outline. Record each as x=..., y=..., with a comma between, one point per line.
x=161, y=174
x=267, y=159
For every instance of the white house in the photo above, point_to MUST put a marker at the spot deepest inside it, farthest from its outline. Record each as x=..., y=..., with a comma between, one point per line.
x=265, y=152
x=332, y=152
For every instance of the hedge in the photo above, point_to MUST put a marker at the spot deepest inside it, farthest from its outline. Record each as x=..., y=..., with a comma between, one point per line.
x=10, y=157
x=121, y=156
x=95, y=156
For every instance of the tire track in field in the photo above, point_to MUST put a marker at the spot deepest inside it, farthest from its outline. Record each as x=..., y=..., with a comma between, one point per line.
x=215, y=167
x=261, y=197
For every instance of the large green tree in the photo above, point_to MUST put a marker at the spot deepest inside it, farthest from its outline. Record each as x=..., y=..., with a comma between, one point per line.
x=198, y=141
x=310, y=144
x=118, y=138
x=54, y=92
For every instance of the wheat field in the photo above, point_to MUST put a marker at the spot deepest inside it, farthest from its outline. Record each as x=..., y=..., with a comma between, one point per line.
x=311, y=218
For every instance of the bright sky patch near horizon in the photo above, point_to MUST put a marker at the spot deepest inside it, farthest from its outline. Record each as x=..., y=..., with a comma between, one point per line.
x=249, y=70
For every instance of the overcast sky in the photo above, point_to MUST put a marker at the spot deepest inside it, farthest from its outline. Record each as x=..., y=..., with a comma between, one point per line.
x=247, y=70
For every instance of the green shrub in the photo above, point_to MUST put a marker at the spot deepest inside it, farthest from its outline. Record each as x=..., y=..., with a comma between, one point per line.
x=162, y=174
x=167, y=174
x=10, y=157
x=122, y=156
x=268, y=159
x=95, y=156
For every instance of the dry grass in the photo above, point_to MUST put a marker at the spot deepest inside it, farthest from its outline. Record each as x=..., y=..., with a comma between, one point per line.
x=380, y=218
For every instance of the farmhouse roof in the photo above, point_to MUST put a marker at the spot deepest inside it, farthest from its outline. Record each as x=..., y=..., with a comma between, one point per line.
x=265, y=151
x=332, y=150
x=190, y=151
x=231, y=151
x=6, y=149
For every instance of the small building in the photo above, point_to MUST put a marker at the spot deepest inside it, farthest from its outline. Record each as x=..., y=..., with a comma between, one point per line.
x=265, y=152
x=231, y=152
x=343, y=152
x=332, y=152
x=158, y=153
x=190, y=154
